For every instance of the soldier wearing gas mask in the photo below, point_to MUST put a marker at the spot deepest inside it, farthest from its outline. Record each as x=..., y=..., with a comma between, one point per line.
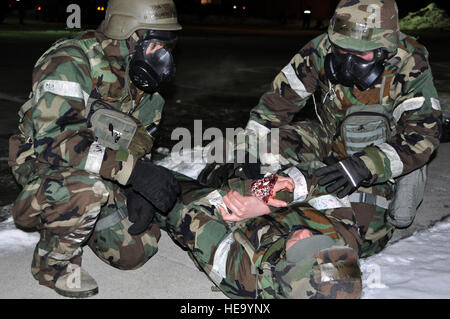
x=85, y=132
x=378, y=120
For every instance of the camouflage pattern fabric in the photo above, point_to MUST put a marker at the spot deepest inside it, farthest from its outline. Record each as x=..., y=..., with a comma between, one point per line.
x=92, y=66
x=65, y=205
x=309, y=144
x=408, y=92
x=242, y=258
x=61, y=197
x=365, y=25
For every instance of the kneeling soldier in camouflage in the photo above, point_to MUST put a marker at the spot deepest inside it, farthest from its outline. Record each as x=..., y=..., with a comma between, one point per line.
x=84, y=134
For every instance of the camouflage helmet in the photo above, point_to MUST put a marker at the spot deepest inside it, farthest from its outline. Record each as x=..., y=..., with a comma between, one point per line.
x=365, y=25
x=125, y=17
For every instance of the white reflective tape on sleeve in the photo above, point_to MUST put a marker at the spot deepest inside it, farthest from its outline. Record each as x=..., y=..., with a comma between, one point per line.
x=329, y=202
x=216, y=199
x=219, y=268
x=369, y=199
x=260, y=129
x=435, y=104
x=394, y=158
x=301, y=187
x=273, y=159
x=95, y=158
x=61, y=88
x=408, y=105
x=295, y=82
x=348, y=174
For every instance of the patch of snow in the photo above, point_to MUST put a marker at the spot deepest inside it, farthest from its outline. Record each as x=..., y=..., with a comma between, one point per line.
x=415, y=267
x=13, y=239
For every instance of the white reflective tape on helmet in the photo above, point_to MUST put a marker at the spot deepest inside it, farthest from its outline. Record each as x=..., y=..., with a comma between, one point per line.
x=301, y=187
x=394, y=158
x=435, y=104
x=260, y=129
x=408, y=105
x=329, y=202
x=219, y=268
x=95, y=158
x=61, y=88
x=295, y=82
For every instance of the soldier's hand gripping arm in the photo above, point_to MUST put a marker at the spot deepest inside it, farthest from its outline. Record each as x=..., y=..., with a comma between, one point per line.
x=346, y=176
x=418, y=125
x=295, y=185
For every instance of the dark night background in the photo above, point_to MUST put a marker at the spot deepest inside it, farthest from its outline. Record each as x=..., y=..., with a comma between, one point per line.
x=282, y=11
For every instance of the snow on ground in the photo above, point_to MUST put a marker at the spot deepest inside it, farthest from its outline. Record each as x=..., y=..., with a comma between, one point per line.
x=11, y=238
x=415, y=267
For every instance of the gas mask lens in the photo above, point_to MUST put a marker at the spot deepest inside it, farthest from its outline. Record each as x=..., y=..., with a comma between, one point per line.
x=151, y=46
x=152, y=64
x=155, y=39
x=354, y=68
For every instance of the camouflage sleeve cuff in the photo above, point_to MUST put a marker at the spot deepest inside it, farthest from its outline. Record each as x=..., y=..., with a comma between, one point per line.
x=117, y=165
x=377, y=163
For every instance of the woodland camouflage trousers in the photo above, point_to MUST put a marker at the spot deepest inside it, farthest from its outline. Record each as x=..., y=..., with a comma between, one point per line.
x=67, y=206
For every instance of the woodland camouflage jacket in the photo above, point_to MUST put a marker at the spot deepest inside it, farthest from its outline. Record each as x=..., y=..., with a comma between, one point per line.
x=406, y=88
x=86, y=65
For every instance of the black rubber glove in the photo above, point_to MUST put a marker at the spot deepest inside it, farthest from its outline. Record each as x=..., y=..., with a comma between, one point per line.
x=156, y=184
x=216, y=175
x=140, y=211
x=348, y=174
x=248, y=171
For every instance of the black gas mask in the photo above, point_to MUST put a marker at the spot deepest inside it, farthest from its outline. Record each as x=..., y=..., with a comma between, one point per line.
x=350, y=70
x=152, y=64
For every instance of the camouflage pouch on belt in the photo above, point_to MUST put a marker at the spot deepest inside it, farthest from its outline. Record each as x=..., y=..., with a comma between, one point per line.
x=365, y=125
x=117, y=130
